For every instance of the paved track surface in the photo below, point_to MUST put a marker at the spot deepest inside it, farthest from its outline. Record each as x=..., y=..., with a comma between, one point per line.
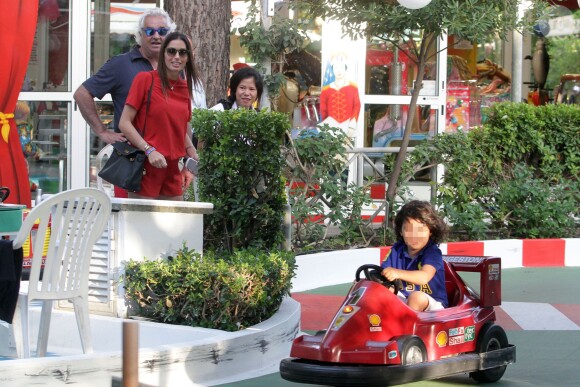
x=540, y=312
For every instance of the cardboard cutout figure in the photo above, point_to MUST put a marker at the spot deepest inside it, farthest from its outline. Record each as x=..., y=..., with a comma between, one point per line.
x=339, y=100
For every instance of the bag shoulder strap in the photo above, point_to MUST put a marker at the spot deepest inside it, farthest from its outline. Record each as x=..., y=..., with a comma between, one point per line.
x=147, y=107
x=226, y=103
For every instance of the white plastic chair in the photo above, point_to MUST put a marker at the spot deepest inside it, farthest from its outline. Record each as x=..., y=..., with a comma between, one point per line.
x=105, y=152
x=77, y=220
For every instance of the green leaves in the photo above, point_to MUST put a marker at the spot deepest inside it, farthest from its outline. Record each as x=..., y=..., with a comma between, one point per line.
x=228, y=292
x=472, y=20
x=272, y=43
x=319, y=194
x=241, y=174
x=515, y=177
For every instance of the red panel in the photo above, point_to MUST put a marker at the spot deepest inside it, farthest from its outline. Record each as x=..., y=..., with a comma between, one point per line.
x=543, y=252
x=384, y=251
x=465, y=248
x=377, y=219
x=570, y=4
x=378, y=191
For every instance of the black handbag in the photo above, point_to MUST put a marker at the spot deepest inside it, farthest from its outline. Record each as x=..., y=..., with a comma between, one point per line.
x=125, y=166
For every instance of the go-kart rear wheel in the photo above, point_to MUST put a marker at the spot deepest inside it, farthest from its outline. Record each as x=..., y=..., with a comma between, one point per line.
x=413, y=351
x=492, y=337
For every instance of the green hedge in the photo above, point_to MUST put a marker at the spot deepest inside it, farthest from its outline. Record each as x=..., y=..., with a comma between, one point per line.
x=240, y=172
x=517, y=176
x=229, y=293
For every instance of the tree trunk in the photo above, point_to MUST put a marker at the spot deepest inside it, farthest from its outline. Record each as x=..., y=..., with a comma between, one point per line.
x=426, y=43
x=207, y=22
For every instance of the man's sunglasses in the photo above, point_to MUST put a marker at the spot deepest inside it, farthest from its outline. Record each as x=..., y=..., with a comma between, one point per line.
x=151, y=31
x=172, y=51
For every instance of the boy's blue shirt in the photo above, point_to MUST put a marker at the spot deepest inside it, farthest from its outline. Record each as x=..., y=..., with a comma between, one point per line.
x=399, y=258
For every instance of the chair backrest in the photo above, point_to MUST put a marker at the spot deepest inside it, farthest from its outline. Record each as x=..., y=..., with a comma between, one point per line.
x=105, y=152
x=75, y=220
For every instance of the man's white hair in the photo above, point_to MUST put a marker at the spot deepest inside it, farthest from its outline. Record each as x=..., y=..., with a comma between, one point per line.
x=153, y=12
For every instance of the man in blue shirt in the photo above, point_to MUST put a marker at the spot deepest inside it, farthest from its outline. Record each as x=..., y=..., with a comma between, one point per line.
x=116, y=76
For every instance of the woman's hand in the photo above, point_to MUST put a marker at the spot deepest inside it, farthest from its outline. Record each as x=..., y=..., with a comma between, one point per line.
x=187, y=178
x=157, y=160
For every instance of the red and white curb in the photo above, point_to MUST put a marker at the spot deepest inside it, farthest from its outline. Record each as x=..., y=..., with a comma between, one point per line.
x=338, y=267
x=532, y=316
x=522, y=252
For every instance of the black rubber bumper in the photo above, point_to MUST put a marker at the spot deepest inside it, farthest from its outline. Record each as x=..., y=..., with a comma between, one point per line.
x=331, y=374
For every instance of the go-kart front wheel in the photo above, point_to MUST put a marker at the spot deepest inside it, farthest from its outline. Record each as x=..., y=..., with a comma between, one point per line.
x=413, y=351
x=492, y=337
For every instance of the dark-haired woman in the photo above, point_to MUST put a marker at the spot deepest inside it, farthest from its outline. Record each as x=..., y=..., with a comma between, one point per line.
x=246, y=87
x=165, y=138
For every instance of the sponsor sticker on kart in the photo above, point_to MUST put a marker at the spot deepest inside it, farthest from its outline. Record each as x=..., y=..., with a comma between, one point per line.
x=493, y=271
x=459, y=259
x=461, y=335
x=454, y=340
x=441, y=339
x=375, y=321
x=356, y=296
x=470, y=333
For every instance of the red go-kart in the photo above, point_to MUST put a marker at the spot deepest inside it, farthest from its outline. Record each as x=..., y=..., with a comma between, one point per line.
x=375, y=339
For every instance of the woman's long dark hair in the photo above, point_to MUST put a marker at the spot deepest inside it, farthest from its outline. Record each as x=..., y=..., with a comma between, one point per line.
x=241, y=74
x=189, y=72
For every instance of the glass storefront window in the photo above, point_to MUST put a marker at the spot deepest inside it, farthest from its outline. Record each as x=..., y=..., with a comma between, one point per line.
x=113, y=25
x=491, y=50
x=43, y=130
x=48, y=69
x=391, y=69
x=385, y=124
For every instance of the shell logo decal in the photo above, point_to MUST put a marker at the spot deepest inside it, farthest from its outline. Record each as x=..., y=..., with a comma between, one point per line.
x=375, y=321
x=441, y=339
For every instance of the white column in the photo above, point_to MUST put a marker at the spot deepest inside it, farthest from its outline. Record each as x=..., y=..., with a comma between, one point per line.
x=517, y=57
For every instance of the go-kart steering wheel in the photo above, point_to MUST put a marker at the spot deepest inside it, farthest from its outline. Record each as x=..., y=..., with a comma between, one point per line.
x=373, y=273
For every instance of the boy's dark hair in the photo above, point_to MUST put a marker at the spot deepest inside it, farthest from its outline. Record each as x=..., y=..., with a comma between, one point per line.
x=241, y=74
x=424, y=213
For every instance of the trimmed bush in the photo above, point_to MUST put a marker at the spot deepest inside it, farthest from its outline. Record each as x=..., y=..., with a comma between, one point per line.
x=517, y=176
x=210, y=291
x=240, y=172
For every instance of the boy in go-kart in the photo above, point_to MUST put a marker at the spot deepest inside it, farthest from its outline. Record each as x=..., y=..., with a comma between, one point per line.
x=415, y=259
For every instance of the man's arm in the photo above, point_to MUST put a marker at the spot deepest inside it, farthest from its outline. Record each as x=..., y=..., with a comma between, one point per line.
x=88, y=108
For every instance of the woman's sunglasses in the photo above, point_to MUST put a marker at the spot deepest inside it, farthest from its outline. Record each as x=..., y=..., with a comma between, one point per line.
x=151, y=31
x=172, y=51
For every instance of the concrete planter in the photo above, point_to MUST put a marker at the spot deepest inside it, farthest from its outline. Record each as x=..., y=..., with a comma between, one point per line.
x=169, y=355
